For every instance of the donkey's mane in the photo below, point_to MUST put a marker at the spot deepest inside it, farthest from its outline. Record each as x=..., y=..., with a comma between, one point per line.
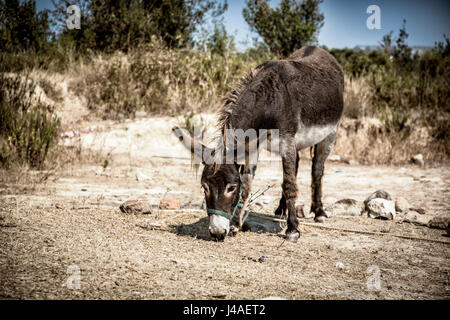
x=229, y=106
x=230, y=101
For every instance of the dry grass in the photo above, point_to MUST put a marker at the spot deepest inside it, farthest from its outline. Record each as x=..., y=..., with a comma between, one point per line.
x=367, y=141
x=78, y=94
x=156, y=80
x=75, y=220
x=357, y=98
x=127, y=257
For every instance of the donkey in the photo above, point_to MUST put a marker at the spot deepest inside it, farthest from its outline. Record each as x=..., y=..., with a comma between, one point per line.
x=301, y=97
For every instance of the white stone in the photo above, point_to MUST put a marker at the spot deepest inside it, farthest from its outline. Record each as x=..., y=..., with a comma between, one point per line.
x=401, y=205
x=334, y=157
x=418, y=159
x=381, y=209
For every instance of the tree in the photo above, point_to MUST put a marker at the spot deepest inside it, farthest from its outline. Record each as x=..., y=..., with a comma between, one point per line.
x=287, y=27
x=442, y=47
x=397, y=48
x=21, y=27
x=216, y=39
x=177, y=20
x=122, y=24
x=402, y=52
x=386, y=43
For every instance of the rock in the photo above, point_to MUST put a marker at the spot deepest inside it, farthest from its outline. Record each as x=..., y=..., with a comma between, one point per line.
x=259, y=204
x=381, y=209
x=141, y=177
x=441, y=221
x=349, y=207
x=267, y=199
x=335, y=158
x=416, y=218
x=140, y=204
x=351, y=162
x=340, y=265
x=418, y=159
x=377, y=194
x=418, y=210
x=401, y=205
x=169, y=204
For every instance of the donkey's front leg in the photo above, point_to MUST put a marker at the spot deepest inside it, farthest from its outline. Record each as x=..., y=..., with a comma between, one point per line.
x=288, y=155
x=321, y=152
x=281, y=210
x=247, y=176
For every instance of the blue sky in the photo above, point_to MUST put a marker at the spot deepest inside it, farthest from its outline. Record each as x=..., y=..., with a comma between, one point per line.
x=345, y=21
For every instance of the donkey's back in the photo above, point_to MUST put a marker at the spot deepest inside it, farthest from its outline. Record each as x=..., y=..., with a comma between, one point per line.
x=301, y=95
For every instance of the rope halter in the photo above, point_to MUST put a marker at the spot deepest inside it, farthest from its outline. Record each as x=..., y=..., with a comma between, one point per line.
x=239, y=204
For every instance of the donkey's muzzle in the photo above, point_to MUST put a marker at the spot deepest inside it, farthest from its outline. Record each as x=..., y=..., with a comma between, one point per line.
x=218, y=226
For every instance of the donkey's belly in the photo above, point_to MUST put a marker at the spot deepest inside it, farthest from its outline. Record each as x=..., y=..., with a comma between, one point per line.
x=309, y=136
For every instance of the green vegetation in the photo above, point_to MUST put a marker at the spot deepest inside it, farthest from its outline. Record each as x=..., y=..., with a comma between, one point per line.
x=287, y=27
x=133, y=55
x=160, y=80
x=111, y=25
x=28, y=128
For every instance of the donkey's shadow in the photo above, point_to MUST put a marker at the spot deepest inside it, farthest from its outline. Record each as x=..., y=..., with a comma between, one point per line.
x=198, y=229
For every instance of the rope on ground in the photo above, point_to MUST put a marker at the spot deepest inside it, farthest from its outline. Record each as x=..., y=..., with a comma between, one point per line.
x=375, y=233
x=188, y=158
x=308, y=224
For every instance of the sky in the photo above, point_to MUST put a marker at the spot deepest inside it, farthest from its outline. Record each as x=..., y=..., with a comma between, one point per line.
x=345, y=21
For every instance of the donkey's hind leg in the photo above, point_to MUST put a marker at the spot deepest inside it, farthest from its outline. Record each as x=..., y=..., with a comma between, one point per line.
x=288, y=156
x=281, y=210
x=321, y=152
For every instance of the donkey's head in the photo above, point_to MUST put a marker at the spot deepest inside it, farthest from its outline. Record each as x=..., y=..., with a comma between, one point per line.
x=223, y=186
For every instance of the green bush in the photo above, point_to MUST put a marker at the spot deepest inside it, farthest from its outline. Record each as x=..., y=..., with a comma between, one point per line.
x=286, y=27
x=28, y=128
x=359, y=63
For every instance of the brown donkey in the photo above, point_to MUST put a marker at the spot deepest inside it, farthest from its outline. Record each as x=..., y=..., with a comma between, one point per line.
x=302, y=98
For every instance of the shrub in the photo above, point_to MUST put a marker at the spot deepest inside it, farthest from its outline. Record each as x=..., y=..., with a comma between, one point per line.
x=28, y=128
x=160, y=80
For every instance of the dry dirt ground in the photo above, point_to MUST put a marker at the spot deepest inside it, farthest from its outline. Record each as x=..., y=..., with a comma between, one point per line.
x=71, y=226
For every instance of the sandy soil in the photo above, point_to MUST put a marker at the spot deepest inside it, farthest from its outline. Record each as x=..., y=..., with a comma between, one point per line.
x=73, y=223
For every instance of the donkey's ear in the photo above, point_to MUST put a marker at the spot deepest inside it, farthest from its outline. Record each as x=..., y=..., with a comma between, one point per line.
x=198, y=150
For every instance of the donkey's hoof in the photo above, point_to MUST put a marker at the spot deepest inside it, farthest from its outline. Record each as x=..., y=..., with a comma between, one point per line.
x=293, y=236
x=320, y=219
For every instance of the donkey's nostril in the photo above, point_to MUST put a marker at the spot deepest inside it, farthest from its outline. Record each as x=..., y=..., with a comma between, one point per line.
x=218, y=237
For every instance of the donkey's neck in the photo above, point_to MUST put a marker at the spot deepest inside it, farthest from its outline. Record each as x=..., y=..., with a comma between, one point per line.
x=238, y=111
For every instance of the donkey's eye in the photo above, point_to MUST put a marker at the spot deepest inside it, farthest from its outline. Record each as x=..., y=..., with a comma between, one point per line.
x=231, y=189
